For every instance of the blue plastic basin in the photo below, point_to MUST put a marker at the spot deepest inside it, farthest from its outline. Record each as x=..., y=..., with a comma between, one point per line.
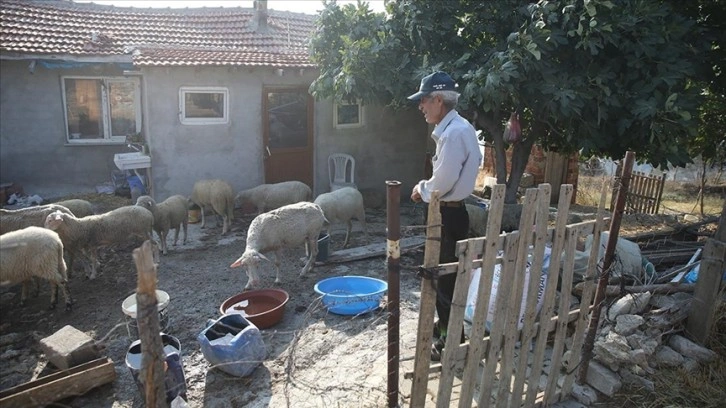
x=351, y=295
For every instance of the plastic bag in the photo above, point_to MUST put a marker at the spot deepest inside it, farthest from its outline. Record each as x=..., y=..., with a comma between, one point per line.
x=512, y=130
x=472, y=295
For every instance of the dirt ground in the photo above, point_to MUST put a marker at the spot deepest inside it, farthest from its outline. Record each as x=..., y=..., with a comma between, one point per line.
x=314, y=358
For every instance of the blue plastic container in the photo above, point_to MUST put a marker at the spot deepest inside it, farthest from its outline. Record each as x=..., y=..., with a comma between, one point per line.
x=233, y=345
x=351, y=295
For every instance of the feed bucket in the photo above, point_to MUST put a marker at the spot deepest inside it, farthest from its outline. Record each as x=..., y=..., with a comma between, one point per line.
x=129, y=308
x=174, y=381
x=323, y=247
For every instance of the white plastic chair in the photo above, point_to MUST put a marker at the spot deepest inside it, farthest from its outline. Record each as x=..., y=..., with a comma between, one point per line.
x=341, y=171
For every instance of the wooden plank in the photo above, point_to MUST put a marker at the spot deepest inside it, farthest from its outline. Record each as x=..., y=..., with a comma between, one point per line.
x=701, y=315
x=481, y=310
x=563, y=311
x=428, y=306
x=499, y=324
x=535, y=273
x=372, y=250
x=549, y=298
x=57, y=386
x=455, y=327
x=511, y=332
x=659, y=194
x=591, y=273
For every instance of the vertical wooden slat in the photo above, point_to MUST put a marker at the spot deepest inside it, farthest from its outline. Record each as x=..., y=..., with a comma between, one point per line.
x=649, y=199
x=587, y=295
x=456, y=324
x=659, y=194
x=635, y=191
x=535, y=273
x=500, y=318
x=428, y=306
x=526, y=221
x=547, y=311
x=562, y=313
x=476, y=338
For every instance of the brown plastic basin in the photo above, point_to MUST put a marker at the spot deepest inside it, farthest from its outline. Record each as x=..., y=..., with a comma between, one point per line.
x=264, y=308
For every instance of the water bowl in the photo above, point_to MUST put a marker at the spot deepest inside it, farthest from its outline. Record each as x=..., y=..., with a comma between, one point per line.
x=263, y=307
x=351, y=295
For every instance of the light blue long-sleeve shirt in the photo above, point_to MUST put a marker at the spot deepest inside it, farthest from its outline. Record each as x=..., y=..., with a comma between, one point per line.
x=457, y=160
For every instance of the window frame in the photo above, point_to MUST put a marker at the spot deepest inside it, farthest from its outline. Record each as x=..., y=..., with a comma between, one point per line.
x=184, y=90
x=107, y=137
x=358, y=124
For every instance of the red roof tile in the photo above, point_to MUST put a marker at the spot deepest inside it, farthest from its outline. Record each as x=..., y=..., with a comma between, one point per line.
x=155, y=37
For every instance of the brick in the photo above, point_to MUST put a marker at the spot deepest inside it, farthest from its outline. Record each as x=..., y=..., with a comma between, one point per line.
x=69, y=347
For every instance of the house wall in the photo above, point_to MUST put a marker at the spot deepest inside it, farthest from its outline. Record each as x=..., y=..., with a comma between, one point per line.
x=34, y=153
x=390, y=145
x=33, y=148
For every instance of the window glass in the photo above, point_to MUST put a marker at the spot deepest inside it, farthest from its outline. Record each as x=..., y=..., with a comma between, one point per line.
x=122, y=103
x=203, y=105
x=101, y=109
x=288, y=119
x=348, y=115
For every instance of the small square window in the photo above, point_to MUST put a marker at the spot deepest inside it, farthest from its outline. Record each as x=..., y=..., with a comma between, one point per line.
x=203, y=105
x=348, y=114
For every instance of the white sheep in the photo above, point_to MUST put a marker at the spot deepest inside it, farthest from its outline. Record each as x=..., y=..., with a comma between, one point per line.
x=266, y=197
x=12, y=220
x=79, y=208
x=286, y=227
x=89, y=233
x=341, y=206
x=218, y=195
x=168, y=214
x=34, y=252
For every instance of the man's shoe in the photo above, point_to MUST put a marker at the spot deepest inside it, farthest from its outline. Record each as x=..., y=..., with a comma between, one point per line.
x=437, y=349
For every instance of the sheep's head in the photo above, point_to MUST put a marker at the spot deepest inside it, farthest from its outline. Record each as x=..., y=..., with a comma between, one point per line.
x=54, y=220
x=250, y=260
x=146, y=202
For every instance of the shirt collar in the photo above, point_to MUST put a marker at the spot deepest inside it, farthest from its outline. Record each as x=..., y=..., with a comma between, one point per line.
x=439, y=129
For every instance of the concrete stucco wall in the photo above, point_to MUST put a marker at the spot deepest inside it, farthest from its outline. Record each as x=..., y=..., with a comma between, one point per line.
x=33, y=147
x=391, y=145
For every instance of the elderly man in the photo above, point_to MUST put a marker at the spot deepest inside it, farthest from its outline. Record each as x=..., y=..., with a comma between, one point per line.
x=455, y=167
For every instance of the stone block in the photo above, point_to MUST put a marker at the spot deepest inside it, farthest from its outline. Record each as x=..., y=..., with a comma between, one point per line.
x=602, y=379
x=69, y=347
x=690, y=349
x=666, y=356
x=584, y=394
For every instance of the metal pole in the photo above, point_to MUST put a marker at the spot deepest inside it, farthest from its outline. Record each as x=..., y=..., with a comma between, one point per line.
x=393, y=257
x=622, y=192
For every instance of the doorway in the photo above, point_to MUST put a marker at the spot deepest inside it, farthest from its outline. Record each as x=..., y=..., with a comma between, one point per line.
x=288, y=134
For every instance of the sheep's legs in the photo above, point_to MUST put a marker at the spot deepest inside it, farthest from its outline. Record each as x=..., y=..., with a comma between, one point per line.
x=276, y=262
x=347, y=233
x=64, y=291
x=312, y=244
x=162, y=241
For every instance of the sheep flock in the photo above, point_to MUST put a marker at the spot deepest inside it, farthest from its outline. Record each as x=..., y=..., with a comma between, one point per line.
x=60, y=233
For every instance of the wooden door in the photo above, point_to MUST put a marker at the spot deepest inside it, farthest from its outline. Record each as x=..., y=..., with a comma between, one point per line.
x=288, y=134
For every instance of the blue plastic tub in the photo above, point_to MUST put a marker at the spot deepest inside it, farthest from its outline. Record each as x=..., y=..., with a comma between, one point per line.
x=351, y=295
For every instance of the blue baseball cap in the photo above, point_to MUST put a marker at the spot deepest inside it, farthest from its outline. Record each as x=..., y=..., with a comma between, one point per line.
x=438, y=81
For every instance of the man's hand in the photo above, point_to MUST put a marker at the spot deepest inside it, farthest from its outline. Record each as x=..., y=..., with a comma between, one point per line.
x=415, y=195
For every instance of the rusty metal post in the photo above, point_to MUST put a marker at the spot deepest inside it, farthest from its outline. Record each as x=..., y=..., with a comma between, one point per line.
x=621, y=193
x=393, y=258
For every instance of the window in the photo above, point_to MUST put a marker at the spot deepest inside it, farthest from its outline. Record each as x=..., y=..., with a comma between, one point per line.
x=348, y=114
x=101, y=109
x=203, y=105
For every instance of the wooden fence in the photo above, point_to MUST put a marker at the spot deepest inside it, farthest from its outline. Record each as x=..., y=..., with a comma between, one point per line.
x=644, y=193
x=515, y=360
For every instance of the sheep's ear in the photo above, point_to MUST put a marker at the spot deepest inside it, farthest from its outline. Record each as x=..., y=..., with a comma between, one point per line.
x=264, y=257
x=237, y=263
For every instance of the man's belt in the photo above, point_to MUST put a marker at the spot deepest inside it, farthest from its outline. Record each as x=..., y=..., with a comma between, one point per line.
x=454, y=204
